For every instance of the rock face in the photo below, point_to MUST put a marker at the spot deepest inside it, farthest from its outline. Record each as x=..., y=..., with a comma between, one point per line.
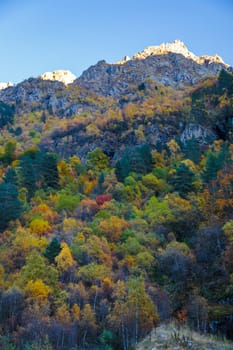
x=5, y=85
x=178, y=47
x=64, y=76
x=92, y=121
x=170, y=64
x=197, y=132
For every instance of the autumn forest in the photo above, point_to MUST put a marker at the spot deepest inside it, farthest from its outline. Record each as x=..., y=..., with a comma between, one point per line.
x=107, y=231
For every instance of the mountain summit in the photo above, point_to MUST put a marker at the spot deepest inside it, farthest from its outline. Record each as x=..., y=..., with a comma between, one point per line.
x=178, y=47
x=171, y=64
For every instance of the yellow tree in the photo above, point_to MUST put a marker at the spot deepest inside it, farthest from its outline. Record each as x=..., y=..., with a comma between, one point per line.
x=37, y=290
x=40, y=226
x=65, y=259
x=134, y=314
x=143, y=313
x=75, y=313
x=2, y=272
x=88, y=323
x=118, y=318
x=62, y=314
x=113, y=227
x=45, y=212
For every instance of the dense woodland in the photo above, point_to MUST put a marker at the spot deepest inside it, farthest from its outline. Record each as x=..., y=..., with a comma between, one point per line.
x=95, y=252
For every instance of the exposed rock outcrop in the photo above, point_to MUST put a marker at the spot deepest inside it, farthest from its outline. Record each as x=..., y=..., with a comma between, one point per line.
x=64, y=76
x=5, y=85
x=178, y=47
x=197, y=132
x=170, y=64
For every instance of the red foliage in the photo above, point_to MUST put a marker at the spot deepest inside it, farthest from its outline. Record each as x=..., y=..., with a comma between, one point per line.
x=102, y=198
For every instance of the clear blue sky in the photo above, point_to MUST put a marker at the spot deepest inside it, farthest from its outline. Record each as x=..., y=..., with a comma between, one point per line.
x=44, y=35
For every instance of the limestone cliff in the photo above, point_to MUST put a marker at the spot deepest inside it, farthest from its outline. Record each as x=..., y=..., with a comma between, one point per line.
x=5, y=85
x=64, y=76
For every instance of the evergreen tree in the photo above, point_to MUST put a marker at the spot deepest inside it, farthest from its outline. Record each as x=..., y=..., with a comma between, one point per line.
x=137, y=159
x=10, y=206
x=6, y=114
x=123, y=167
x=52, y=250
x=216, y=161
x=9, y=152
x=183, y=180
x=225, y=81
x=27, y=175
x=192, y=150
x=11, y=177
x=47, y=169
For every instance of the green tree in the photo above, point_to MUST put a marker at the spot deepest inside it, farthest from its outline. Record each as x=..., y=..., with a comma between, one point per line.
x=183, y=180
x=97, y=160
x=36, y=267
x=52, y=250
x=47, y=164
x=6, y=114
x=137, y=159
x=9, y=152
x=11, y=177
x=10, y=206
x=27, y=175
x=192, y=150
x=225, y=81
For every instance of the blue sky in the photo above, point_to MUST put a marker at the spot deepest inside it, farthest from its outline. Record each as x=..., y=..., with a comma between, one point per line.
x=44, y=35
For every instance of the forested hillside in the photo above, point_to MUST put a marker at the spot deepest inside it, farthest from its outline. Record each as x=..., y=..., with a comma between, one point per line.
x=116, y=215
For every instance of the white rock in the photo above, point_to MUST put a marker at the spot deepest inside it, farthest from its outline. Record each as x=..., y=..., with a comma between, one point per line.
x=64, y=76
x=124, y=60
x=178, y=47
x=5, y=85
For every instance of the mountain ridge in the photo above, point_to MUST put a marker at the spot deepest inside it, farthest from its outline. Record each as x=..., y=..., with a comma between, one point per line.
x=170, y=64
x=177, y=46
x=113, y=106
x=117, y=194
x=212, y=64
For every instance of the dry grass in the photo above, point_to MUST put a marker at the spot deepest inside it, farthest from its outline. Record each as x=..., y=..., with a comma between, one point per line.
x=171, y=337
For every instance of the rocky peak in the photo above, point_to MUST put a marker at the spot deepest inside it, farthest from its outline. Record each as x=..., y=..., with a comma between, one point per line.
x=170, y=64
x=177, y=47
x=64, y=76
x=124, y=60
x=5, y=85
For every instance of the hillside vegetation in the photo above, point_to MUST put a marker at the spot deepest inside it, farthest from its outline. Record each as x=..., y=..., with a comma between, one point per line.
x=117, y=218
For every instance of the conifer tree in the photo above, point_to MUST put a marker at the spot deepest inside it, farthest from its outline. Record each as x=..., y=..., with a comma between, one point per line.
x=52, y=250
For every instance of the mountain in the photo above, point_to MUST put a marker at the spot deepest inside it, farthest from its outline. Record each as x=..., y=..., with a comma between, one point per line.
x=116, y=211
x=94, y=110
x=170, y=64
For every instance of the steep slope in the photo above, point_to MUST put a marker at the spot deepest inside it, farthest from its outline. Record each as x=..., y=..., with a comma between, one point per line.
x=170, y=64
x=116, y=212
x=159, y=94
